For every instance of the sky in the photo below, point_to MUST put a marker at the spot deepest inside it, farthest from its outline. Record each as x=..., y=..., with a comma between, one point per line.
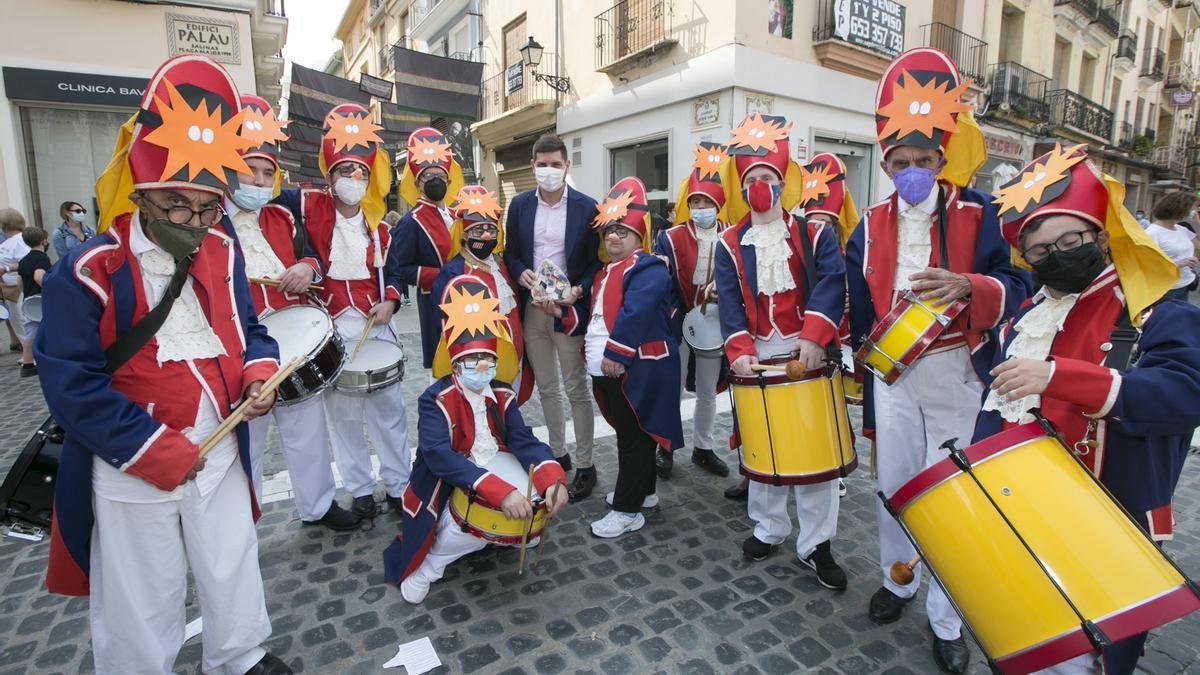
x=311, y=24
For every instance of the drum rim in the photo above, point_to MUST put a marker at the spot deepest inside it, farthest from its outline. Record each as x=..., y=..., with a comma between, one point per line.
x=494, y=538
x=331, y=337
x=703, y=350
x=945, y=469
x=917, y=348
x=775, y=378
x=804, y=478
x=320, y=345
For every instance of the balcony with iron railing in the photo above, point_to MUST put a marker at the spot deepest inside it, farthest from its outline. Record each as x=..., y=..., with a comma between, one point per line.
x=629, y=29
x=508, y=91
x=1127, y=45
x=1074, y=111
x=1180, y=75
x=387, y=59
x=1153, y=64
x=273, y=7
x=1170, y=157
x=967, y=51
x=1019, y=92
x=1109, y=18
x=1125, y=135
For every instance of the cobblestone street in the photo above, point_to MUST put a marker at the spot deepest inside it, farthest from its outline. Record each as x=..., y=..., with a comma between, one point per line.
x=675, y=597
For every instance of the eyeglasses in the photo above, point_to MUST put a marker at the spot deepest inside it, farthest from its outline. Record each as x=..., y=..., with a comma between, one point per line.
x=472, y=362
x=484, y=229
x=348, y=169
x=621, y=231
x=1065, y=242
x=77, y=210
x=183, y=215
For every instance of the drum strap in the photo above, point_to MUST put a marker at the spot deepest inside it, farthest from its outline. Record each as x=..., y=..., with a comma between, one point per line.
x=1124, y=339
x=943, y=249
x=809, y=255
x=494, y=413
x=129, y=342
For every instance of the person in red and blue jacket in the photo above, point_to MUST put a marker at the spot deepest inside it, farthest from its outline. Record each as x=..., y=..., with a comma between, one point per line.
x=135, y=503
x=1129, y=423
x=423, y=241
x=466, y=420
x=345, y=232
x=769, y=309
x=930, y=149
x=632, y=354
x=273, y=246
x=690, y=250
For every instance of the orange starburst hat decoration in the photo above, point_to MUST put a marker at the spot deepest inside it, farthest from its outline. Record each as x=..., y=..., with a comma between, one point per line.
x=1059, y=181
x=428, y=148
x=824, y=191
x=262, y=128
x=817, y=178
x=186, y=134
x=472, y=320
x=349, y=136
x=625, y=205
x=919, y=100
x=704, y=179
x=474, y=204
x=761, y=140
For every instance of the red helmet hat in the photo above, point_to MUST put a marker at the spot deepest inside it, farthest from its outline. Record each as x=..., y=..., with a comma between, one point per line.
x=1063, y=181
x=186, y=132
x=625, y=205
x=260, y=125
x=350, y=136
x=919, y=100
x=475, y=205
x=428, y=148
x=472, y=322
x=761, y=140
x=823, y=186
x=705, y=177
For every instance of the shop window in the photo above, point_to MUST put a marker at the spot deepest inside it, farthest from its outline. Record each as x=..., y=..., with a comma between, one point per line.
x=648, y=161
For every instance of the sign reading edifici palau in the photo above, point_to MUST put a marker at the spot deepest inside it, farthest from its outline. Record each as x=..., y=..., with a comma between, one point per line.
x=216, y=38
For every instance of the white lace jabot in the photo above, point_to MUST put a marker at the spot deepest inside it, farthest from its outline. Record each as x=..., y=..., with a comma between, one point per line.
x=484, y=448
x=185, y=334
x=507, y=301
x=261, y=260
x=1035, y=336
x=771, y=254
x=348, y=253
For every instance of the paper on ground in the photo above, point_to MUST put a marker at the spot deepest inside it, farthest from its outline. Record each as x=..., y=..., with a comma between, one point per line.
x=417, y=657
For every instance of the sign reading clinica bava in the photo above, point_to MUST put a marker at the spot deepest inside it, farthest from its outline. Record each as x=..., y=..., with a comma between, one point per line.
x=212, y=37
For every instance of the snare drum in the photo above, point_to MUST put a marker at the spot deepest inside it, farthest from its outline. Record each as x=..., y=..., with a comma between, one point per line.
x=702, y=331
x=902, y=336
x=1029, y=546
x=31, y=308
x=379, y=364
x=792, y=433
x=305, y=330
x=487, y=521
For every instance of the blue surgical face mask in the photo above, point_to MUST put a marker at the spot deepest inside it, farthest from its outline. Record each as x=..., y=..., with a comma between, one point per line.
x=251, y=198
x=78, y=217
x=476, y=380
x=914, y=184
x=704, y=218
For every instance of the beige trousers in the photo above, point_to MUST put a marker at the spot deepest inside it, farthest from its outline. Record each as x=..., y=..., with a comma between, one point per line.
x=548, y=353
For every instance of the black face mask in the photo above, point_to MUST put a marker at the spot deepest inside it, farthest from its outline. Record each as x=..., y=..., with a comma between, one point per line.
x=435, y=189
x=481, y=248
x=1070, y=271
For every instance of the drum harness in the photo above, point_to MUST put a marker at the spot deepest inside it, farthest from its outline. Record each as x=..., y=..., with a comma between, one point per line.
x=1122, y=353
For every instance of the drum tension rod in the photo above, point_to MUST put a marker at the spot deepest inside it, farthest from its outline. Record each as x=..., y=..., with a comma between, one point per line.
x=467, y=515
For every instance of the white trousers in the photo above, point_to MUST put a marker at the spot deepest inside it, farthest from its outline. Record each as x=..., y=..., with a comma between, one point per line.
x=303, y=435
x=708, y=371
x=935, y=401
x=816, y=505
x=141, y=553
x=449, y=544
x=386, y=424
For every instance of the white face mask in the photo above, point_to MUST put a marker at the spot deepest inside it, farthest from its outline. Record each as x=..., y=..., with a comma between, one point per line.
x=78, y=217
x=549, y=178
x=704, y=218
x=350, y=190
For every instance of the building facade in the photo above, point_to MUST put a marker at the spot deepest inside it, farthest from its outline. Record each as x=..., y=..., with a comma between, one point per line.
x=68, y=85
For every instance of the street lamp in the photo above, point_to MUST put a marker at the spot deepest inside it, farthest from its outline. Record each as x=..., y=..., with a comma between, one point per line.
x=531, y=56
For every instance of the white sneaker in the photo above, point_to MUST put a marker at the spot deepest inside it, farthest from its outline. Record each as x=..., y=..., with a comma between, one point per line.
x=616, y=524
x=649, y=502
x=414, y=589
x=841, y=488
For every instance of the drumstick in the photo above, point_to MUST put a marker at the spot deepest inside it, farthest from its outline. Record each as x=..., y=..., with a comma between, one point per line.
x=708, y=280
x=239, y=413
x=537, y=557
x=366, y=332
x=263, y=281
x=525, y=534
x=902, y=572
x=794, y=369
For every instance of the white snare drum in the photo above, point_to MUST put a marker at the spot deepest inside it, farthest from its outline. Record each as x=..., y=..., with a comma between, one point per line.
x=305, y=331
x=31, y=308
x=702, y=331
x=379, y=364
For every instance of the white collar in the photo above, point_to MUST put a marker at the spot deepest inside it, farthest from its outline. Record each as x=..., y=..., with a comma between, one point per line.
x=561, y=200
x=925, y=206
x=139, y=243
x=233, y=209
x=474, y=397
x=356, y=219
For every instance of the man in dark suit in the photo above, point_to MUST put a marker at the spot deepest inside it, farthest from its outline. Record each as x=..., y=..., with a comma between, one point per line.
x=551, y=222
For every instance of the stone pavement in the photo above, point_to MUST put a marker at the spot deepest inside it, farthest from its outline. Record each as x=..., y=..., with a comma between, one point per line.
x=676, y=597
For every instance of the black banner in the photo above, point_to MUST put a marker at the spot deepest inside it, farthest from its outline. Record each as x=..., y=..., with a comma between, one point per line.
x=375, y=86
x=313, y=94
x=61, y=87
x=438, y=86
x=396, y=118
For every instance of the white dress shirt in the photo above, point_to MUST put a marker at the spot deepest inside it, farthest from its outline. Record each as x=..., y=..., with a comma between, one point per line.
x=913, y=245
x=550, y=231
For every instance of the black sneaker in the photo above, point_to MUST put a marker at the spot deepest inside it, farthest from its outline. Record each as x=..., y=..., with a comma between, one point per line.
x=364, y=506
x=564, y=462
x=15, y=347
x=269, y=665
x=28, y=370
x=708, y=460
x=581, y=487
x=886, y=606
x=738, y=493
x=663, y=462
x=338, y=519
x=755, y=549
x=829, y=574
